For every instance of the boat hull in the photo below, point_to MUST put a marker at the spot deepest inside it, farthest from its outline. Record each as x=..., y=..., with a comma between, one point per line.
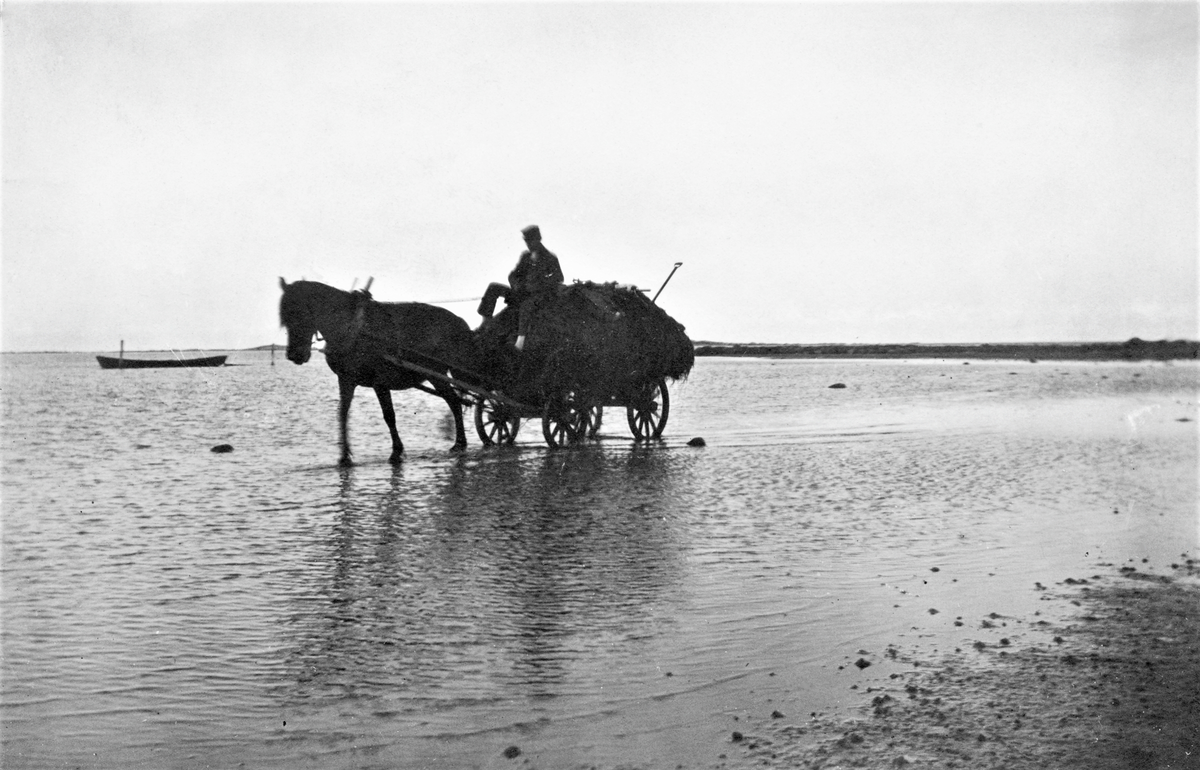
x=108, y=362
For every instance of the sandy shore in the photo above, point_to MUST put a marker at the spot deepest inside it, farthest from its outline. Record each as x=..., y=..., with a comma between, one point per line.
x=1116, y=685
x=1131, y=350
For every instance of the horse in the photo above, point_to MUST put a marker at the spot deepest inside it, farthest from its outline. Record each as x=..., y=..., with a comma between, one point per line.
x=363, y=341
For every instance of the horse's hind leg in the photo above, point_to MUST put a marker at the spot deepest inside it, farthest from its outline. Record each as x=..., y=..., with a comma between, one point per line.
x=450, y=396
x=389, y=416
x=346, y=391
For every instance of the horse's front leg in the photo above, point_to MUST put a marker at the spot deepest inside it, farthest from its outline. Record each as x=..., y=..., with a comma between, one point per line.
x=346, y=391
x=389, y=416
x=450, y=396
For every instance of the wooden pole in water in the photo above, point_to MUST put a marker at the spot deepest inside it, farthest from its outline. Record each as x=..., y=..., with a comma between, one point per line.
x=272, y=354
x=121, y=356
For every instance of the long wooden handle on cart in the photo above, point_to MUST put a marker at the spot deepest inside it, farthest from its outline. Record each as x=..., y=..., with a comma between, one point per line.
x=660, y=288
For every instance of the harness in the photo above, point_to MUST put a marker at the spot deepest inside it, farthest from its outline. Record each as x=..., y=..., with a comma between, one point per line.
x=361, y=298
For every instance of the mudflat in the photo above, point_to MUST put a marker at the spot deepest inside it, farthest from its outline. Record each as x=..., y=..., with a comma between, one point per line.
x=1117, y=685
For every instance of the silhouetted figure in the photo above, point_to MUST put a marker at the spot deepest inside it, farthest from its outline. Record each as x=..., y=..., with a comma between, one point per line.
x=536, y=275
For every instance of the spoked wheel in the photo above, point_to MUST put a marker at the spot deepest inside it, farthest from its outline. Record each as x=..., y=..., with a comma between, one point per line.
x=649, y=410
x=593, y=417
x=495, y=423
x=564, y=420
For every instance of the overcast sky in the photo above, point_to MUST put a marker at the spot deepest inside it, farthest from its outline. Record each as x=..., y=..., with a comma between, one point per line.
x=839, y=172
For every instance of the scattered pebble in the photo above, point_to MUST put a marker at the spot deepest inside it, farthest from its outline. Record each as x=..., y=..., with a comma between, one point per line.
x=862, y=662
x=776, y=715
x=737, y=737
x=222, y=448
x=838, y=385
x=512, y=752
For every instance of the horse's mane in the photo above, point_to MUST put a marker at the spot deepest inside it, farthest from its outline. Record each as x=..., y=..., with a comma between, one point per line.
x=409, y=326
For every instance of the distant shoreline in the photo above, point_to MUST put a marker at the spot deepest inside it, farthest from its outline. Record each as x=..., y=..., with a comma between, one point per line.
x=1131, y=350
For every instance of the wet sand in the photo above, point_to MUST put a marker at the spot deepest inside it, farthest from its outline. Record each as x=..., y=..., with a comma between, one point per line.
x=1117, y=685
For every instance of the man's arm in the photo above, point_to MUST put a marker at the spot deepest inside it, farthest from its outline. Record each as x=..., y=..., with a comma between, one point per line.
x=555, y=272
x=516, y=278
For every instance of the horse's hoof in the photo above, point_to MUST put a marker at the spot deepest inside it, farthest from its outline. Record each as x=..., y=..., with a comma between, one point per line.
x=346, y=462
x=396, y=459
x=458, y=448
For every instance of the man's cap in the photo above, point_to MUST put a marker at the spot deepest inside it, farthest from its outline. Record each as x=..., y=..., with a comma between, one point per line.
x=532, y=230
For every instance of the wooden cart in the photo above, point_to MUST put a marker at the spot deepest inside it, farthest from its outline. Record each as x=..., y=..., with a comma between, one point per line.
x=569, y=415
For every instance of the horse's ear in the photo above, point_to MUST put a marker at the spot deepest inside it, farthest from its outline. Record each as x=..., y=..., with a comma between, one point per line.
x=282, y=283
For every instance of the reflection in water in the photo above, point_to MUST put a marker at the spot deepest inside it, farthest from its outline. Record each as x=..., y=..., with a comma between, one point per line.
x=491, y=576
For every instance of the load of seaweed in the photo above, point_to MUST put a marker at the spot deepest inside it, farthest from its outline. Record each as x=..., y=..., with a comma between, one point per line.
x=606, y=339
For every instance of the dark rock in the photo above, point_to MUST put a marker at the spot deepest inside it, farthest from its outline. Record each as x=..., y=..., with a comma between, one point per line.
x=737, y=737
x=850, y=739
x=838, y=385
x=222, y=448
x=776, y=715
x=862, y=662
x=697, y=441
x=512, y=752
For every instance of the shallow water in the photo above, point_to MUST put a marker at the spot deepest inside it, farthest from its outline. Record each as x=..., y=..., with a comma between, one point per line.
x=165, y=606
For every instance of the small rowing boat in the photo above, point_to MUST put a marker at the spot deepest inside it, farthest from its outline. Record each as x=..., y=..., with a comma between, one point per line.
x=108, y=362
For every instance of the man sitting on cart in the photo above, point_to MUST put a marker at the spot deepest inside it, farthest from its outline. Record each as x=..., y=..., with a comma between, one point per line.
x=537, y=275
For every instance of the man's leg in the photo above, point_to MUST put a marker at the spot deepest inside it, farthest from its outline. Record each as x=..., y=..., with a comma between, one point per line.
x=524, y=315
x=494, y=291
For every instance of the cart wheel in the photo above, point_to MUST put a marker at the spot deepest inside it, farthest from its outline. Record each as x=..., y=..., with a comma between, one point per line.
x=648, y=413
x=564, y=420
x=495, y=423
x=594, y=417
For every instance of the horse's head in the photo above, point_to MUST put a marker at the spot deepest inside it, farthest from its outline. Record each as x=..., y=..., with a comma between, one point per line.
x=296, y=314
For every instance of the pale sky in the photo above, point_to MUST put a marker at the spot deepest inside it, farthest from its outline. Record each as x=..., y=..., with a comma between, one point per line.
x=836, y=172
